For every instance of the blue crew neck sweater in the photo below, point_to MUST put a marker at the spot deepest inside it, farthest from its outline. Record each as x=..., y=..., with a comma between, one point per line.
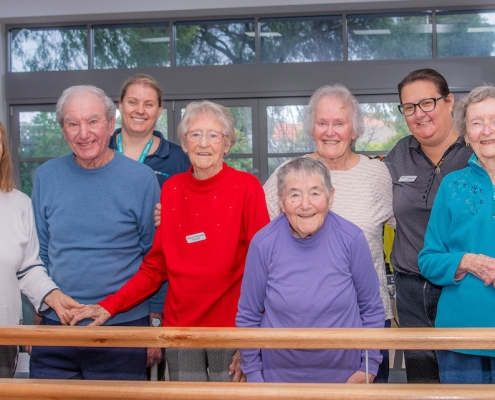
x=95, y=226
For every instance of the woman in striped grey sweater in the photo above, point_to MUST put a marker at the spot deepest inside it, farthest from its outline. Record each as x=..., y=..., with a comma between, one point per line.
x=363, y=187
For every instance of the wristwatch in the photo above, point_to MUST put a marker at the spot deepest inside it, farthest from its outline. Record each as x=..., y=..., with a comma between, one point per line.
x=156, y=322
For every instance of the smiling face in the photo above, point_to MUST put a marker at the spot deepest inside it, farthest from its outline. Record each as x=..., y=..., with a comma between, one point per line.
x=205, y=157
x=429, y=128
x=333, y=130
x=139, y=109
x=87, y=130
x=305, y=203
x=480, y=127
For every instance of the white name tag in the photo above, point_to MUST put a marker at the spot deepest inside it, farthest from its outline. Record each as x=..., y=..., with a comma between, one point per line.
x=407, y=178
x=197, y=237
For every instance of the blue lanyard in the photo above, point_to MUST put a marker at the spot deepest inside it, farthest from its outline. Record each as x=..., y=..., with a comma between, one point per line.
x=143, y=155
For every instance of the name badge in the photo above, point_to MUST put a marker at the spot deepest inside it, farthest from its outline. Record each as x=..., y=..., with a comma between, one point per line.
x=407, y=178
x=197, y=237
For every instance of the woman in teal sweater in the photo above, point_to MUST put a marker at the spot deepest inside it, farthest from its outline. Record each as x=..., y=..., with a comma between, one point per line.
x=459, y=251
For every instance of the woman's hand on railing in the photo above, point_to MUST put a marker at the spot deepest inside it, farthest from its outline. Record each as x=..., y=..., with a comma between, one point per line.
x=97, y=313
x=65, y=306
x=360, y=377
x=235, y=368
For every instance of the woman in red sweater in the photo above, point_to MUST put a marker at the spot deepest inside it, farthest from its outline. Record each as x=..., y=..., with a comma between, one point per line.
x=209, y=216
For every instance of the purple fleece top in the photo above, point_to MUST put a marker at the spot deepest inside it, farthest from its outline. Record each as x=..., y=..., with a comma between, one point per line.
x=325, y=281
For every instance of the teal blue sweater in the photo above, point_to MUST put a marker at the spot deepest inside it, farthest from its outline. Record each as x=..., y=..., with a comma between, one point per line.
x=95, y=226
x=462, y=221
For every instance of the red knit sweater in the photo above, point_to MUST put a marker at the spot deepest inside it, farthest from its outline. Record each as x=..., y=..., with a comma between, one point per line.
x=204, y=276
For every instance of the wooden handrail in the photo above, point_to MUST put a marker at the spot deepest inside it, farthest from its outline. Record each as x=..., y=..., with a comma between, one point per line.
x=298, y=338
x=127, y=390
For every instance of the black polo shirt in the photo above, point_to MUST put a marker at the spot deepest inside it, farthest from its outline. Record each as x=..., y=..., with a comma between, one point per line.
x=415, y=186
x=168, y=159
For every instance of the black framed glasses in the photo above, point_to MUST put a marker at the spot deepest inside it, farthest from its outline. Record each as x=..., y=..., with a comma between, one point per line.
x=426, y=105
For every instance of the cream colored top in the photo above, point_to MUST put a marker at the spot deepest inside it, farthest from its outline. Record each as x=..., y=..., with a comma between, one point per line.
x=363, y=195
x=20, y=266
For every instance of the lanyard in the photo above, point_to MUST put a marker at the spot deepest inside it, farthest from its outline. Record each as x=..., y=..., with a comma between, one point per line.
x=143, y=155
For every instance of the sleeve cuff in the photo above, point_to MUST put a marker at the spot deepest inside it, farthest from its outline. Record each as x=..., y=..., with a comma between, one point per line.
x=459, y=276
x=106, y=304
x=372, y=366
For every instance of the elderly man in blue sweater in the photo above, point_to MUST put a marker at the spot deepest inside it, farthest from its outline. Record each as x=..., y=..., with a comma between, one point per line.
x=94, y=216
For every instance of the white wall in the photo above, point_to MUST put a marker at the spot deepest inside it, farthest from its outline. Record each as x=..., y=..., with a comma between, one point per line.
x=45, y=11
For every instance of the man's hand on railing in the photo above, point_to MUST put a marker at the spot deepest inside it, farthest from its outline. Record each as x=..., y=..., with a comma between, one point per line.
x=92, y=311
x=235, y=368
x=360, y=377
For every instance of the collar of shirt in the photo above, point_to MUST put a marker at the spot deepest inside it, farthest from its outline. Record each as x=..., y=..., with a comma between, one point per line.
x=162, y=151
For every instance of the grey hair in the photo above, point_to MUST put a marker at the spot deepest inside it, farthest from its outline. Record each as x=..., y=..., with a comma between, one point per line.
x=342, y=93
x=477, y=95
x=205, y=107
x=67, y=94
x=307, y=166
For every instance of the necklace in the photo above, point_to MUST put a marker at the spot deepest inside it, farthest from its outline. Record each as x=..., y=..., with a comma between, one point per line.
x=438, y=165
x=120, y=148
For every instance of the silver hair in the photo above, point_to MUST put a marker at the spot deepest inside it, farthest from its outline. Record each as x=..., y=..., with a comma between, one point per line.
x=336, y=91
x=217, y=111
x=307, y=166
x=477, y=95
x=67, y=94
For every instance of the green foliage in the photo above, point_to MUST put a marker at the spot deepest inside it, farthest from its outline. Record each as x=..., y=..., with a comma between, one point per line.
x=301, y=39
x=215, y=43
x=408, y=38
x=385, y=126
x=241, y=164
x=243, y=126
x=457, y=41
x=132, y=47
x=49, y=49
x=41, y=137
x=285, y=130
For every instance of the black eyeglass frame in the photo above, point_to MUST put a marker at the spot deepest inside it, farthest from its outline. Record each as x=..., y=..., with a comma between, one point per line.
x=401, y=106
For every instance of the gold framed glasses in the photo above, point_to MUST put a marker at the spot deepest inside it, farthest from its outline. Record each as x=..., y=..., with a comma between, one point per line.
x=211, y=136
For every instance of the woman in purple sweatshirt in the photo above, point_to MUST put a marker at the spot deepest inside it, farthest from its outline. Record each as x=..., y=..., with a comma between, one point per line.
x=309, y=268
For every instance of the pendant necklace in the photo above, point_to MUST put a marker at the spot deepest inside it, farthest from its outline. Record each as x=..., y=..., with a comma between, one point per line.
x=438, y=165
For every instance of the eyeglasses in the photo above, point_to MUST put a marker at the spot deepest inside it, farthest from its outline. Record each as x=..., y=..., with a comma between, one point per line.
x=426, y=105
x=211, y=136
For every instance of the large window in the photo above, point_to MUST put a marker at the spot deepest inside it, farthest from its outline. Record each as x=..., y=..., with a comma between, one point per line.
x=214, y=42
x=384, y=126
x=385, y=37
x=301, y=39
x=462, y=34
x=286, y=137
x=311, y=38
x=131, y=46
x=50, y=49
x=40, y=139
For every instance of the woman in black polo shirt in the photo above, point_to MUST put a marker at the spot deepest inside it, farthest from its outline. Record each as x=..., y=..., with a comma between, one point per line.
x=417, y=165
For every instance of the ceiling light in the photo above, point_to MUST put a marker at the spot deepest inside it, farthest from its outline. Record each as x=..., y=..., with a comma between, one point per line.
x=264, y=34
x=485, y=29
x=156, y=39
x=373, y=32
